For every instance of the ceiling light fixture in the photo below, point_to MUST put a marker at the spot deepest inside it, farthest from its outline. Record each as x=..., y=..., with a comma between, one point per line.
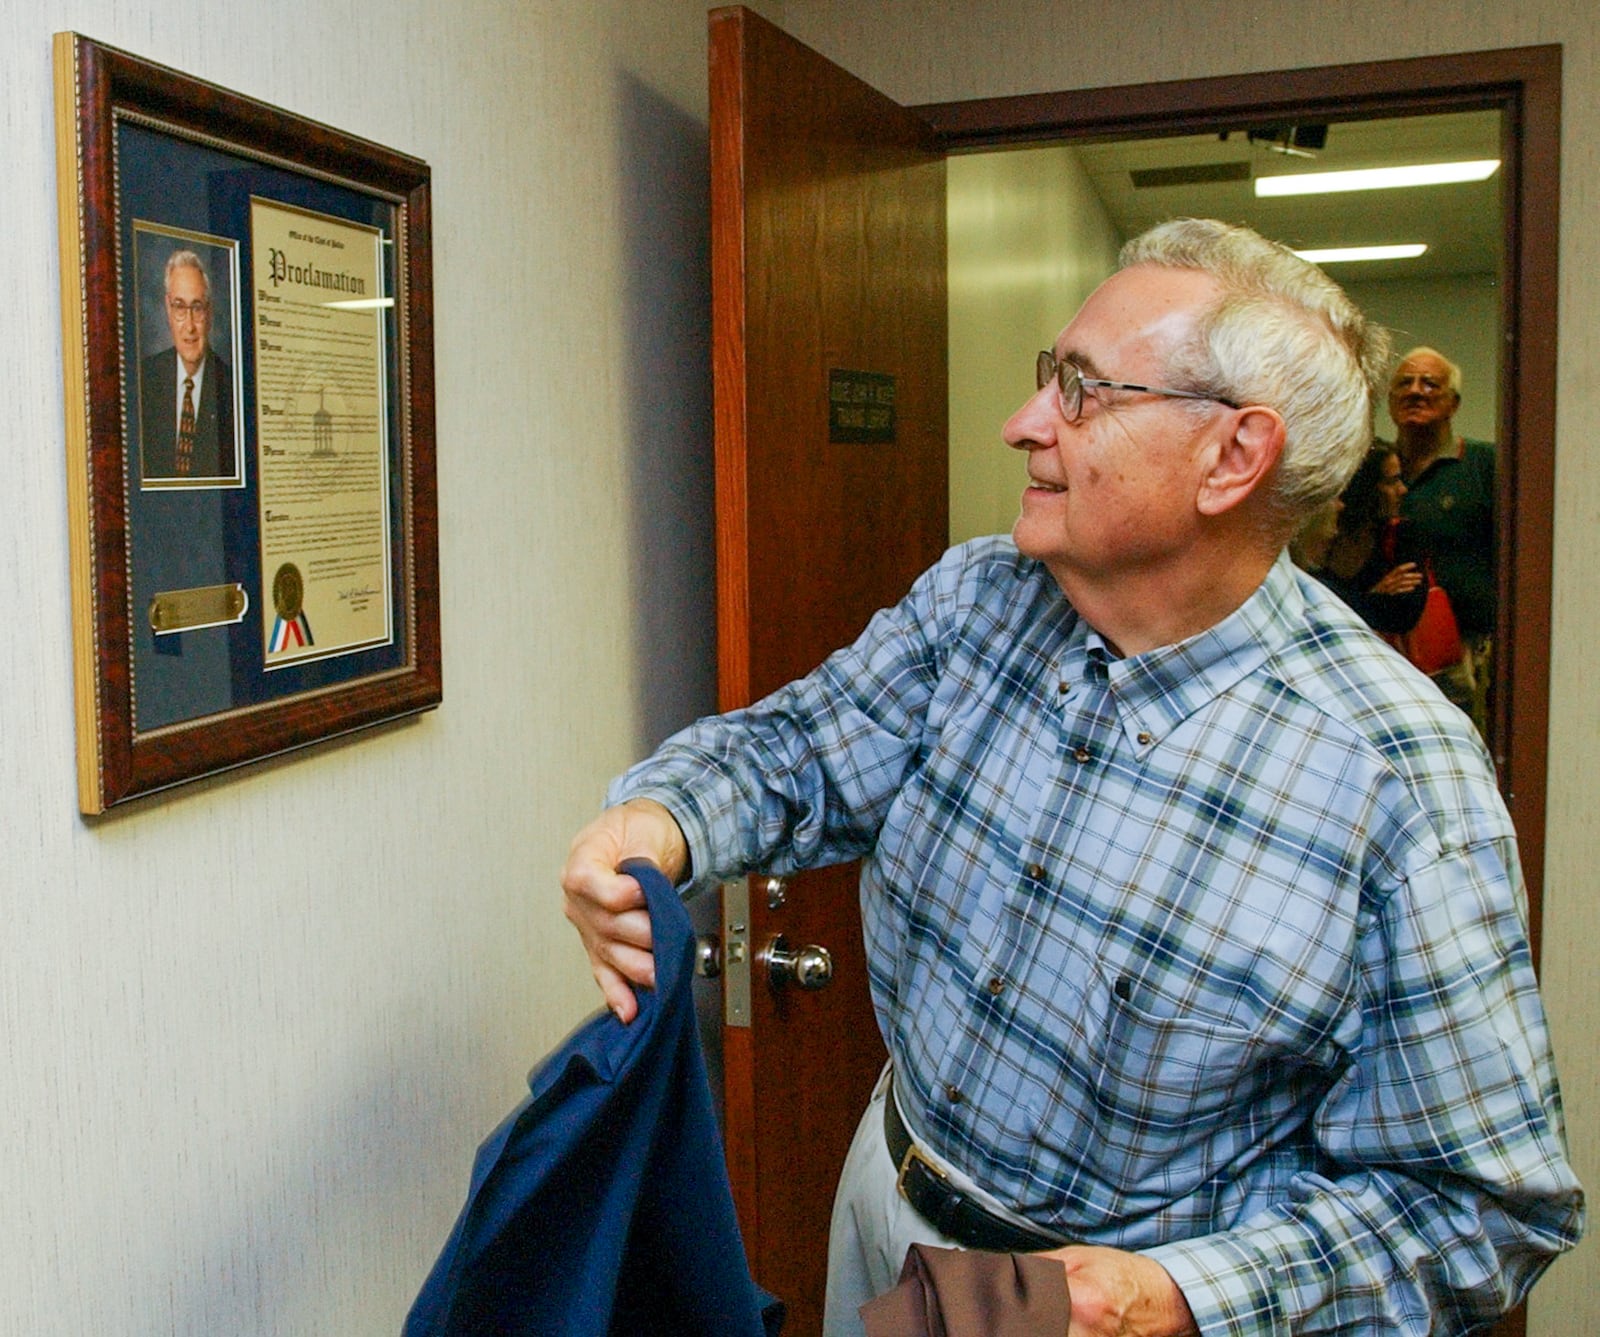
x=1334, y=255
x=1376, y=178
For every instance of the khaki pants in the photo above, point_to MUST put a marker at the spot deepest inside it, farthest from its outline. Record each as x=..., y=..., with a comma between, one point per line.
x=873, y=1225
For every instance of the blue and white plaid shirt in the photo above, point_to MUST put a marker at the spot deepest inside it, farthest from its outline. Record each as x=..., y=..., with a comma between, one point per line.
x=1215, y=952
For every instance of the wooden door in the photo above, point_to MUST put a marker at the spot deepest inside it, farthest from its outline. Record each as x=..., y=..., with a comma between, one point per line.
x=828, y=261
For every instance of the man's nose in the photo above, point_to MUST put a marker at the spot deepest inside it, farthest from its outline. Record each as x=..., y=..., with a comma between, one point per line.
x=1035, y=424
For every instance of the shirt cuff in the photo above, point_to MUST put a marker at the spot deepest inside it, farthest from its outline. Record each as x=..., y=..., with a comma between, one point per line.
x=696, y=834
x=1228, y=1286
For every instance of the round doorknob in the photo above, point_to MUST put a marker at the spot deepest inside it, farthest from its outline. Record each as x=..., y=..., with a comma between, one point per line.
x=804, y=967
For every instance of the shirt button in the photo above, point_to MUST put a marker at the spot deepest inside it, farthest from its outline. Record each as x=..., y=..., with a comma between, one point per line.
x=1145, y=739
x=953, y=1094
x=1063, y=687
x=1035, y=871
x=997, y=986
x=1082, y=754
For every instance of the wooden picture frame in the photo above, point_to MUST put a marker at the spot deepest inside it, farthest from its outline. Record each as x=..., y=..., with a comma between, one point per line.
x=255, y=554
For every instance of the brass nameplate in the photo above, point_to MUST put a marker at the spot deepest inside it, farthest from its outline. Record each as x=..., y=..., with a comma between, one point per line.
x=206, y=606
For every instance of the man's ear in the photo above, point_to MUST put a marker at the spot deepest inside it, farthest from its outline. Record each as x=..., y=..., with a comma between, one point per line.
x=1251, y=442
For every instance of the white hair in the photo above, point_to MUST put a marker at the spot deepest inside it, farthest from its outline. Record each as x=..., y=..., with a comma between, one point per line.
x=1452, y=373
x=187, y=260
x=1284, y=335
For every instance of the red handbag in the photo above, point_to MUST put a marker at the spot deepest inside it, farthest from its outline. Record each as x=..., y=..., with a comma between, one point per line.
x=1434, y=644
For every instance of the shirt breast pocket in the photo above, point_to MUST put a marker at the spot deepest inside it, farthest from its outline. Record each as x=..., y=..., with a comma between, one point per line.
x=1177, y=1096
x=1154, y=1070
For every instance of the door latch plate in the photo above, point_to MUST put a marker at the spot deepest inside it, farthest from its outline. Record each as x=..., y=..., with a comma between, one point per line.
x=736, y=952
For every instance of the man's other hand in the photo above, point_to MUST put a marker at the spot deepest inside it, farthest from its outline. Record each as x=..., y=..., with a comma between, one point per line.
x=1120, y=1294
x=607, y=907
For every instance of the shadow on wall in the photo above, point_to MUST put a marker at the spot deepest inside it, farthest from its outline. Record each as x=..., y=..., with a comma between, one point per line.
x=666, y=231
x=664, y=156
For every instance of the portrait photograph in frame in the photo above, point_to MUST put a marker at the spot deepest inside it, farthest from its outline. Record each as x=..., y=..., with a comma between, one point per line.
x=186, y=288
x=253, y=517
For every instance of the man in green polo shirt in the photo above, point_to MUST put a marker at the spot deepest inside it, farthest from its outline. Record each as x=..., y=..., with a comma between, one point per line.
x=1449, y=508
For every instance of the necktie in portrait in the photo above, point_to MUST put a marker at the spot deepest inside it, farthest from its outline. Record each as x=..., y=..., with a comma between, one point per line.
x=186, y=428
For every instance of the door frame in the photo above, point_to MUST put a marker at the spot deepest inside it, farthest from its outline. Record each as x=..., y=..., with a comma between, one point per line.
x=1524, y=85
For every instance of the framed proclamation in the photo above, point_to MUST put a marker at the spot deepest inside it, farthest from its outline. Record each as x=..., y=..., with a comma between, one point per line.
x=247, y=311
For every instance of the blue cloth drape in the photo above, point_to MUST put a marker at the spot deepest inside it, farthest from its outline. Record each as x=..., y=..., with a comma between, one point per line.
x=601, y=1206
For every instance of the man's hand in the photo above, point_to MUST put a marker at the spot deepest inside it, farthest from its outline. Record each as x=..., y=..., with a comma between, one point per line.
x=1120, y=1294
x=607, y=907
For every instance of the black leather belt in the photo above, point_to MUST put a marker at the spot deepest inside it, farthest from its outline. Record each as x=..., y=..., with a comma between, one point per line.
x=945, y=1207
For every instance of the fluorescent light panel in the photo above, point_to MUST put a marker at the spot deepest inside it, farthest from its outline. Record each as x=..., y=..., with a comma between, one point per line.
x=1376, y=178
x=1334, y=255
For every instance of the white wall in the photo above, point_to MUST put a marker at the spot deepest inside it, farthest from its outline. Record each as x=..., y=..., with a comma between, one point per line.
x=938, y=50
x=1028, y=241
x=253, y=1030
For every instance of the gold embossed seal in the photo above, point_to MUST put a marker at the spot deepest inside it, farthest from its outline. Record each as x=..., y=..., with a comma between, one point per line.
x=288, y=592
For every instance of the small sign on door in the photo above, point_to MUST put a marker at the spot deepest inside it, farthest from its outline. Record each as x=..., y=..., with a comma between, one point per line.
x=860, y=407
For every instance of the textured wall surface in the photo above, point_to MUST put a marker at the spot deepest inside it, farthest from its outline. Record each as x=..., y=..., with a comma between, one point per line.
x=253, y=1030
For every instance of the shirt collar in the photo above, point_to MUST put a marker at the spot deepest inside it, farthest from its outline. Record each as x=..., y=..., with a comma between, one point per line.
x=1156, y=691
x=199, y=373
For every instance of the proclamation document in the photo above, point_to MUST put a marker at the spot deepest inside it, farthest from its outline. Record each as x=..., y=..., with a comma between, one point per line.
x=322, y=449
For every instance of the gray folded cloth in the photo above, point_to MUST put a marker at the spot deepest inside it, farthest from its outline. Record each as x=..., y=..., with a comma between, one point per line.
x=965, y=1293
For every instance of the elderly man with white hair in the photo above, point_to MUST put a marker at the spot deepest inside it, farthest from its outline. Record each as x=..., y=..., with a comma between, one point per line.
x=1449, y=509
x=186, y=391
x=1193, y=915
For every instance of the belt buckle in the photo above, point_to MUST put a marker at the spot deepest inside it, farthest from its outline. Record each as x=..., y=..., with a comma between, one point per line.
x=914, y=1154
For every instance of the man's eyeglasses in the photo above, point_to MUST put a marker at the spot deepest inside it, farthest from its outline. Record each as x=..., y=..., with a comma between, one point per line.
x=1070, y=382
x=194, y=311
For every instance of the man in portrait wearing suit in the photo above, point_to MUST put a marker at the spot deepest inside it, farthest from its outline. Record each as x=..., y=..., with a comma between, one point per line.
x=186, y=391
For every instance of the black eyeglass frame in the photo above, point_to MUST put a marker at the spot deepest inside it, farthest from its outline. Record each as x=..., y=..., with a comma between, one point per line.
x=1048, y=367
